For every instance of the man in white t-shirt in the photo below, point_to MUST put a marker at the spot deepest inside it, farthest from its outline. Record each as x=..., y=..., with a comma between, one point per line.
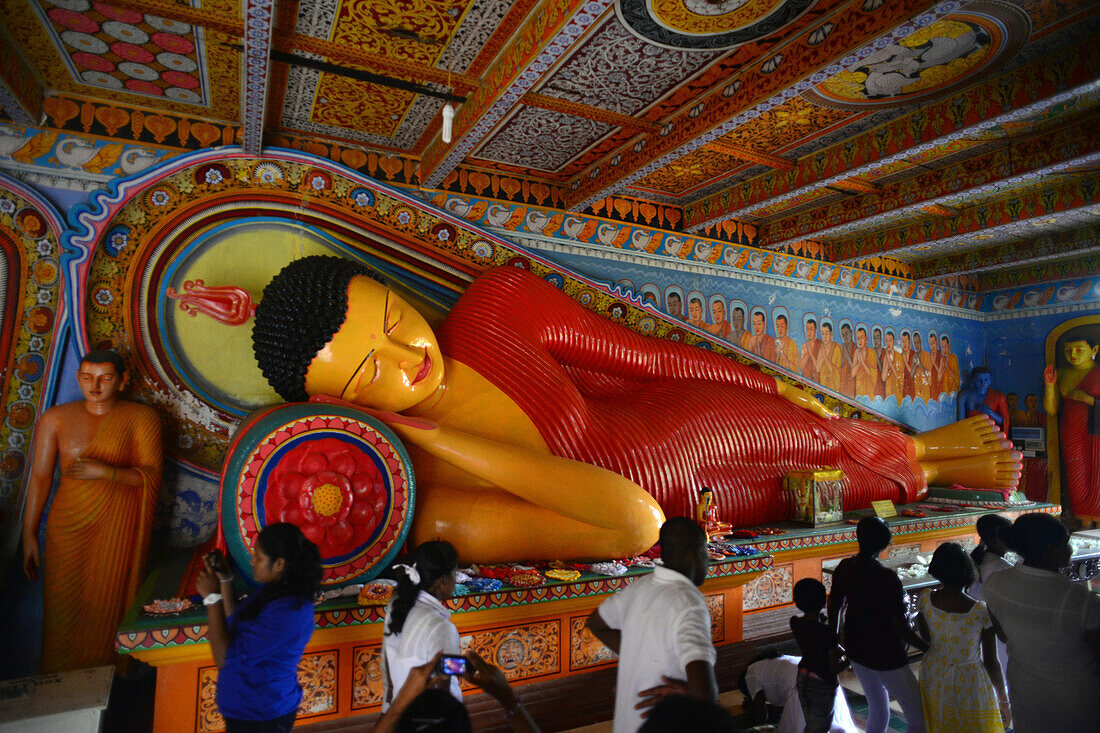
x=771, y=679
x=660, y=625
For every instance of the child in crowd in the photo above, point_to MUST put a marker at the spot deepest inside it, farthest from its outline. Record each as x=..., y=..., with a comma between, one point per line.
x=876, y=629
x=821, y=656
x=958, y=693
x=989, y=558
x=418, y=625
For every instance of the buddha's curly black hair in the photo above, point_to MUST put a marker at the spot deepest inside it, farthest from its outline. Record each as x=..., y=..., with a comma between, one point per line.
x=301, y=308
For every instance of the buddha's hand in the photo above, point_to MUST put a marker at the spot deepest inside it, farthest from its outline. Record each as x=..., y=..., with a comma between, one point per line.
x=1050, y=374
x=86, y=468
x=802, y=399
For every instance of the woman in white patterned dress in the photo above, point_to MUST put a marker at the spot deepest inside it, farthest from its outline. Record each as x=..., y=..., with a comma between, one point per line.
x=960, y=678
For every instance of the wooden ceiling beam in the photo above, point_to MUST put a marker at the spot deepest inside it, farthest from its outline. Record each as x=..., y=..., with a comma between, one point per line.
x=749, y=155
x=584, y=111
x=857, y=184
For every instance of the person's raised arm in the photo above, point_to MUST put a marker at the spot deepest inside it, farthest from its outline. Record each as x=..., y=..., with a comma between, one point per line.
x=38, y=489
x=609, y=637
x=217, y=631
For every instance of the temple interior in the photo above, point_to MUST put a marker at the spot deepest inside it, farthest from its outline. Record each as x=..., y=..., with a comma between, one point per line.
x=863, y=220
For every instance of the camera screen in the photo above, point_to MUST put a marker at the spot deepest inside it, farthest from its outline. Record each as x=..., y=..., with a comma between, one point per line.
x=452, y=665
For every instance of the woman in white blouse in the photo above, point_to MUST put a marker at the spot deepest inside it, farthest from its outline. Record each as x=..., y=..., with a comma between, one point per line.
x=417, y=624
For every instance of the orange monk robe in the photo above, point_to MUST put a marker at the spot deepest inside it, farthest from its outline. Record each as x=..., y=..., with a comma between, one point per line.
x=786, y=353
x=951, y=375
x=829, y=375
x=922, y=377
x=762, y=345
x=865, y=371
x=893, y=379
x=847, y=368
x=97, y=542
x=807, y=361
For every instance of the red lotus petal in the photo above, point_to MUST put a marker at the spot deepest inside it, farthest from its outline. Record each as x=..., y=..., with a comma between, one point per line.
x=314, y=534
x=362, y=514
x=343, y=463
x=291, y=485
x=365, y=484
x=340, y=533
x=291, y=514
x=314, y=463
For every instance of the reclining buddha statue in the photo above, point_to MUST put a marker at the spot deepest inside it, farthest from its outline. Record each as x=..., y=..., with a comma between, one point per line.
x=540, y=430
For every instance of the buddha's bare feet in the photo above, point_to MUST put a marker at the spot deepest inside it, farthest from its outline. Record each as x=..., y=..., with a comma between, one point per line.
x=998, y=470
x=973, y=436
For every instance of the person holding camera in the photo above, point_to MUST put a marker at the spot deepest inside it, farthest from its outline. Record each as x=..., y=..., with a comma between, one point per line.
x=258, y=644
x=421, y=705
x=417, y=623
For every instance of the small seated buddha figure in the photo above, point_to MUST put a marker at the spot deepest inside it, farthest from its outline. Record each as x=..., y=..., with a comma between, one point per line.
x=540, y=430
x=706, y=515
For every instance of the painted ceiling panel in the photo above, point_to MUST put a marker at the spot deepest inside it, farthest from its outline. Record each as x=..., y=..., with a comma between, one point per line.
x=541, y=139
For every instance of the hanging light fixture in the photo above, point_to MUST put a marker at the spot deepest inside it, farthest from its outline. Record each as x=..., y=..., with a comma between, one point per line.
x=448, y=120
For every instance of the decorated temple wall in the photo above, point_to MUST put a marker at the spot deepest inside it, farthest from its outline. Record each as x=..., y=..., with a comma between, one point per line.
x=800, y=303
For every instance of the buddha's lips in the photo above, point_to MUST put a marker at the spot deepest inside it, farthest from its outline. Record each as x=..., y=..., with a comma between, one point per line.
x=425, y=368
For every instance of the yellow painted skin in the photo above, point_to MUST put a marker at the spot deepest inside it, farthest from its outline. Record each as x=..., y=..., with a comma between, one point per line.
x=486, y=480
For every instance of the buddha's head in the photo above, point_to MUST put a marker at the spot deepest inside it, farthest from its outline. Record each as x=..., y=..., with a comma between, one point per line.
x=1080, y=353
x=327, y=326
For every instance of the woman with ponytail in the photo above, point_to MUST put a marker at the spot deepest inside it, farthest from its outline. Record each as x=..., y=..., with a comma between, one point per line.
x=417, y=624
x=1052, y=627
x=989, y=555
x=258, y=644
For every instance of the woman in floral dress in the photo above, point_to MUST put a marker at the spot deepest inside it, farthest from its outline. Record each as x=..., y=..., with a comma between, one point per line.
x=960, y=678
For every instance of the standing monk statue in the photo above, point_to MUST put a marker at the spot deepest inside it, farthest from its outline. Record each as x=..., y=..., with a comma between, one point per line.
x=97, y=535
x=1077, y=386
x=541, y=430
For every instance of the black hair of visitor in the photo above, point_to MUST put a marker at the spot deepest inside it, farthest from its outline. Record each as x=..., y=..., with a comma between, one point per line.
x=1031, y=535
x=680, y=538
x=687, y=714
x=952, y=566
x=809, y=596
x=432, y=560
x=435, y=711
x=105, y=356
x=989, y=527
x=300, y=310
x=302, y=570
x=873, y=535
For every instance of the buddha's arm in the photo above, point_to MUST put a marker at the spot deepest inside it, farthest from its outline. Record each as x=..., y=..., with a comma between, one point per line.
x=572, y=489
x=38, y=489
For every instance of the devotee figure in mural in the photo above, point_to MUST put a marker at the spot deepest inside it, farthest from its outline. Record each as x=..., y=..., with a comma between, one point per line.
x=864, y=366
x=97, y=534
x=1071, y=393
x=720, y=327
x=738, y=332
x=980, y=399
x=829, y=359
x=539, y=429
x=880, y=354
x=695, y=313
x=675, y=305
x=759, y=342
x=951, y=376
x=847, y=365
x=933, y=363
x=909, y=377
x=893, y=369
x=786, y=350
x=811, y=349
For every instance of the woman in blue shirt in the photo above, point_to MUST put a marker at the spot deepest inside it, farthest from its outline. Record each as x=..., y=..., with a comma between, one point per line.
x=257, y=646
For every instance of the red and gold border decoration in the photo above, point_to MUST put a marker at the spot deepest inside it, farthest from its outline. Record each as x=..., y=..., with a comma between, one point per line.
x=338, y=474
x=34, y=306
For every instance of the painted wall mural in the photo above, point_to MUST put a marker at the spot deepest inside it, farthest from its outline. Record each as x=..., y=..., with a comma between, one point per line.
x=913, y=360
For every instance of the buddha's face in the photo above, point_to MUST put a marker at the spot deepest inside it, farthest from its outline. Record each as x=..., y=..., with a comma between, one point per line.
x=384, y=356
x=1079, y=354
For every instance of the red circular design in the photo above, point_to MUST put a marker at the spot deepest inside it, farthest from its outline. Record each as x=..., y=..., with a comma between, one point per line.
x=331, y=490
x=172, y=42
x=130, y=52
x=73, y=20
x=143, y=87
x=93, y=62
x=40, y=320
x=180, y=79
x=123, y=16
